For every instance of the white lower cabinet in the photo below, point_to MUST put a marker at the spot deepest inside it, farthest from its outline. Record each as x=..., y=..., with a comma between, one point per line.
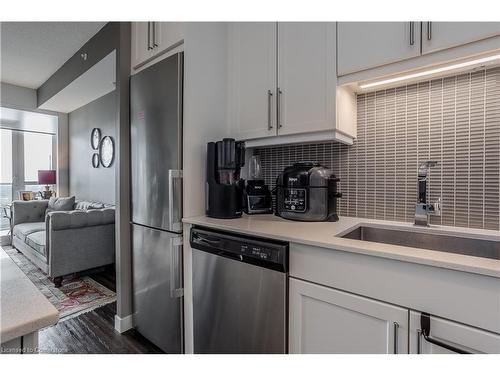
x=326, y=320
x=445, y=336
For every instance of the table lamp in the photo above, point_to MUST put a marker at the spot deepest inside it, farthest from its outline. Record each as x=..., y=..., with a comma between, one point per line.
x=47, y=177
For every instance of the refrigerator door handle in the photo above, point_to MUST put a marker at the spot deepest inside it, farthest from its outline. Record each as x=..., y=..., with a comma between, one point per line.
x=175, y=268
x=175, y=225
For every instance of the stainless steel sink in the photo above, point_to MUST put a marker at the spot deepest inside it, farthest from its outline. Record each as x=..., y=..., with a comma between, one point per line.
x=427, y=240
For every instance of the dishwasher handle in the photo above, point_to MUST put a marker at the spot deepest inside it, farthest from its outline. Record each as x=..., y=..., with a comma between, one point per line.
x=213, y=243
x=205, y=239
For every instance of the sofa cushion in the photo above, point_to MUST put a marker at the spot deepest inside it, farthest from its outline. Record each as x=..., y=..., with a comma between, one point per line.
x=37, y=242
x=23, y=230
x=79, y=219
x=28, y=211
x=87, y=205
x=60, y=204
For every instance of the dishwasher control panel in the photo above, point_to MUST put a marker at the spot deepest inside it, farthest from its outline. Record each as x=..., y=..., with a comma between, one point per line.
x=259, y=252
x=270, y=253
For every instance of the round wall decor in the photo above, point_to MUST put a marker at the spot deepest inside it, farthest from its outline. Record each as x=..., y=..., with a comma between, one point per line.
x=95, y=160
x=107, y=151
x=95, y=138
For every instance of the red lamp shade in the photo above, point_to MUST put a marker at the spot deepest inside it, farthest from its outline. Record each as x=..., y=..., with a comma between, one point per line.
x=46, y=177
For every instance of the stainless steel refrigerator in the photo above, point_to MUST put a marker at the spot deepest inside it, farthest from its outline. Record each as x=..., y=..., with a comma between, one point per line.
x=156, y=155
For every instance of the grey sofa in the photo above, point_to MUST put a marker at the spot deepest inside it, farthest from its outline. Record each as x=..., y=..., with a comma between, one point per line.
x=64, y=242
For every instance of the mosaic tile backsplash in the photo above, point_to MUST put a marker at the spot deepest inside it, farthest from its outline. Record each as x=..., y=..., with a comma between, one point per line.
x=454, y=120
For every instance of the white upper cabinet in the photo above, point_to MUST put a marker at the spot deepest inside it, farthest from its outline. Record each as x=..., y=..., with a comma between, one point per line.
x=282, y=84
x=364, y=45
x=325, y=320
x=441, y=35
x=453, y=335
x=252, y=79
x=168, y=35
x=142, y=49
x=151, y=39
x=306, y=77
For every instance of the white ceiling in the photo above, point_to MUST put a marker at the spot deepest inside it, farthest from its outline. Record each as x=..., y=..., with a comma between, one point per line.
x=94, y=83
x=32, y=51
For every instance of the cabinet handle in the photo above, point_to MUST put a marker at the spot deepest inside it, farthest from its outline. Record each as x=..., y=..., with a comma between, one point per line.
x=396, y=328
x=425, y=328
x=429, y=30
x=149, y=36
x=269, y=111
x=154, y=35
x=412, y=33
x=419, y=341
x=280, y=125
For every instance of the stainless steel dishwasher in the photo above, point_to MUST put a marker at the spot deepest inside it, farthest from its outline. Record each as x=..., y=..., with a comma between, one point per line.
x=240, y=293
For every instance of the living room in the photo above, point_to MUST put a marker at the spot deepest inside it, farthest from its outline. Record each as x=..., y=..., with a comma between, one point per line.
x=59, y=156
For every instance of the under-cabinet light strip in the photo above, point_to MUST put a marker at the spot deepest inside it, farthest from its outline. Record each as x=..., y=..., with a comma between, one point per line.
x=430, y=72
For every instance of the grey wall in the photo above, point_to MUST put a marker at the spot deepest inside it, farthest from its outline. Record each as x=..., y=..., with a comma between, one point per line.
x=115, y=35
x=123, y=236
x=99, y=46
x=62, y=155
x=17, y=97
x=454, y=120
x=86, y=182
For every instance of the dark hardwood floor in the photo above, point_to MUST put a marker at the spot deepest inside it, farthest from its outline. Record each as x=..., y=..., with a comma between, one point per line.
x=105, y=277
x=93, y=332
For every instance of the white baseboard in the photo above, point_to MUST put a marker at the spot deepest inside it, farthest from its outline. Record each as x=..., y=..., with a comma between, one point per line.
x=123, y=324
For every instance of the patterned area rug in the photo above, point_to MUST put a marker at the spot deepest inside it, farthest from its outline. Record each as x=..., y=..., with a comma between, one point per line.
x=76, y=295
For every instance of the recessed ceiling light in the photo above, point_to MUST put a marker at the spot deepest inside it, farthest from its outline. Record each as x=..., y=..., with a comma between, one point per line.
x=424, y=73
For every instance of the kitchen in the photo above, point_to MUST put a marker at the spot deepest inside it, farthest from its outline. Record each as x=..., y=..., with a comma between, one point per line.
x=349, y=201
x=277, y=184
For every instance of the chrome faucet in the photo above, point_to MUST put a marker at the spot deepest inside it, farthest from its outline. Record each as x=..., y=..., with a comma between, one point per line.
x=423, y=209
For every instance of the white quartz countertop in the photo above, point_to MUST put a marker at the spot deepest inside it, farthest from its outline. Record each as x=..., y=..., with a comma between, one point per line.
x=23, y=308
x=324, y=234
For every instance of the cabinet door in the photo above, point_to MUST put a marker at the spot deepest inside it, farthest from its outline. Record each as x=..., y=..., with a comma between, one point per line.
x=252, y=79
x=325, y=320
x=142, y=46
x=457, y=335
x=364, y=45
x=168, y=35
x=306, y=77
x=441, y=35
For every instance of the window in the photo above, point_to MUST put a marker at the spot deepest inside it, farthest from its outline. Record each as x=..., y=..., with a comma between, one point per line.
x=37, y=154
x=28, y=143
x=6, y=156
x=5, y=175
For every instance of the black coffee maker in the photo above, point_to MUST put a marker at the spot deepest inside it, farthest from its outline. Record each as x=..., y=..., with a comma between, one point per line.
x=224, y=187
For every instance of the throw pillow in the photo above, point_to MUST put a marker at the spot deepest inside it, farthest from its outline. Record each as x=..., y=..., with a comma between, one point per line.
x=85, y=205
x=60, y=204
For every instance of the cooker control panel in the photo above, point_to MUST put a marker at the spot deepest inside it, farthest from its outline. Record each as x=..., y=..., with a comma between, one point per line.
x=295, y=200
